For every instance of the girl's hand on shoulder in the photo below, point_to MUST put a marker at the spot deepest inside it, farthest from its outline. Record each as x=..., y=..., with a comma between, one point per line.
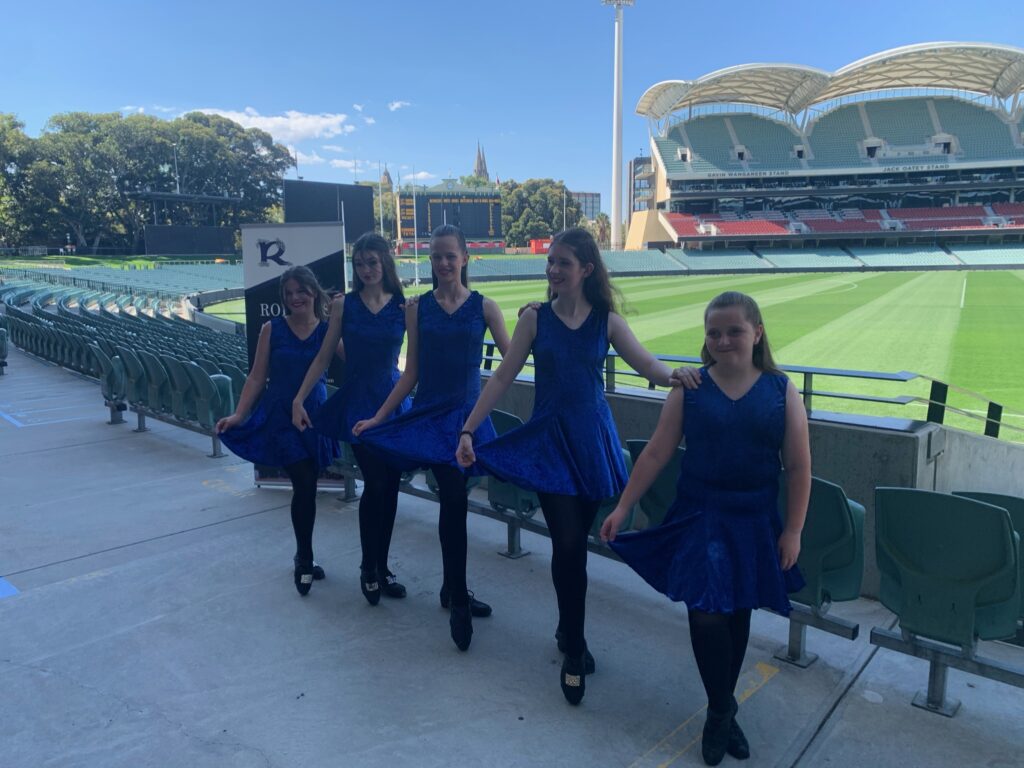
x=365, y=424
x=534, y=305
x=611, y=525
x=464, y=454
x=223, y=425
x=789, y=549
x=300, y=419
x=687, y=377
x=410, y=301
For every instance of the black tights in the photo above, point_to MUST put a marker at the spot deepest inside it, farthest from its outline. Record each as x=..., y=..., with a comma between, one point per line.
x=569, y=520
x=377, y=508
x=451, y=528
x=719, y=645
x=303, y=475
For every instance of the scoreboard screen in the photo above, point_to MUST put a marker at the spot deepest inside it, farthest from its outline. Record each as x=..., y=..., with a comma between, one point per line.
x=479, y=216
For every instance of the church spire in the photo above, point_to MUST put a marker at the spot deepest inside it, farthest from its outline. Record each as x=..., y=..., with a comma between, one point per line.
x=480, y=167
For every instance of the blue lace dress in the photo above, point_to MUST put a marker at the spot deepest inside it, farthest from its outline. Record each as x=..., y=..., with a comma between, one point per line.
x=717, y=549
x=450, y=352
x=268, y=436
x=372, y=343
x=569, y=445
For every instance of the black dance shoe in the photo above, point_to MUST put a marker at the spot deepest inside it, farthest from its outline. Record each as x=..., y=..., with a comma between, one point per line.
x=738, y=745
x=303, y=576
x=461, y=624
x=318, y=572
x=369, y=584
x=390, y=587
x=589, y=665
x=573, y=679
x=715, y=738
x=480, y=609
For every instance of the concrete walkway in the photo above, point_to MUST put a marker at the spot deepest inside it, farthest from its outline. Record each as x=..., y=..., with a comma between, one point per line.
x=149, y=619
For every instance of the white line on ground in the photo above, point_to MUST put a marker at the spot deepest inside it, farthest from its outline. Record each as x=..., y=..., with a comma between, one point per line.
x=963, y=293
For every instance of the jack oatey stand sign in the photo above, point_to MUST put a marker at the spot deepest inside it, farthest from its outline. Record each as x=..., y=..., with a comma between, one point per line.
x=267, y=251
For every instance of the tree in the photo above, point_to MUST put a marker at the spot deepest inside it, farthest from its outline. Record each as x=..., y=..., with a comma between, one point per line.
x=390, y=223
x=474, y=181
x=536, y=208
x=15, y=155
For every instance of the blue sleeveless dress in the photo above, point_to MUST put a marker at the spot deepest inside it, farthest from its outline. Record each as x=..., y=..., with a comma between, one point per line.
x=717, y=550
x=569, y=445
x=268, y=436
x=450, y=352
x=372, y=343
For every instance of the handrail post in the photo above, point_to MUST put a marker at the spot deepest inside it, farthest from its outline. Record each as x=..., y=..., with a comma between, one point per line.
x=490, y=353
x=808, y=390
x=937, y=402
x=609, y=373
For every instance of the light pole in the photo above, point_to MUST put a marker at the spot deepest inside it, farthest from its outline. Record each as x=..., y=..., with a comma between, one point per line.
x=616, y=235
x=177, y=179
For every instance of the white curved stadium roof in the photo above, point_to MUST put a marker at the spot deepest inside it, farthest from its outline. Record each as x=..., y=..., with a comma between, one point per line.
x=979, y=67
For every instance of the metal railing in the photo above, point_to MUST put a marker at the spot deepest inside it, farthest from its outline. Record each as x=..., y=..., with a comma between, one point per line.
x=937, y=401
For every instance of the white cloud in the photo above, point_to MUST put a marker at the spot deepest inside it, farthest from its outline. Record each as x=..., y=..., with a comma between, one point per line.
x=419, y=176
x=369, y=120
x=291, y=126
x=348, y=165
x=333, y=148
x=132, y=108
x=396, y=105
x=165, y=110
x=357, y=107
x=304, y=159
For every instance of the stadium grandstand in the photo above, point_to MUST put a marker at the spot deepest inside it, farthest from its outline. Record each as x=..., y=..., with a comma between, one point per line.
x=920, y=144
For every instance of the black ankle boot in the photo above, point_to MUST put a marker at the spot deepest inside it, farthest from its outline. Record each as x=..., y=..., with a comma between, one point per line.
x=303, y=576
x=460, y=622
x=573, y=679
x=738, y=746
x=589, y=665
x=715, y=739
x=369, y=584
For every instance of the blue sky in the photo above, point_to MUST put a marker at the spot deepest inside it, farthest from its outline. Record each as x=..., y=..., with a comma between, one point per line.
x=416, y=84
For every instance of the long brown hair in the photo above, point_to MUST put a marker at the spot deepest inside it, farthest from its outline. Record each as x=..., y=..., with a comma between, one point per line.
x=597, y=286
x=762, y=356
x=371, y=242
x=304, y=276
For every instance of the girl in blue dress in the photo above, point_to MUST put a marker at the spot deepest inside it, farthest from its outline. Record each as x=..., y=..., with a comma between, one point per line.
x=446, y=332
x=266, y=436
x=569, y=451
x=722, y=548
x=370, y=321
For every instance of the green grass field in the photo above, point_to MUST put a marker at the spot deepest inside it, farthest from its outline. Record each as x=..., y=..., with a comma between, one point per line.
x=878, y=321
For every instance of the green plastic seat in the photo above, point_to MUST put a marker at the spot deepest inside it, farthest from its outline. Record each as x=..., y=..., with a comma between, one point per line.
x=112, y=379
x=182, y=398
x=948, y=564
x=1014, y=505
x=157, y=380
x=504, y=496
x=656, y=502
x=207, y=365
x=3, y=349
x=831, y=546
x=136, y=384
x=213, y=397
x=237, y=378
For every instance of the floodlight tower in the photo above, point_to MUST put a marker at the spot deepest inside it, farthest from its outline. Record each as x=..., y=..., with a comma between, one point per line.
x=616, y=236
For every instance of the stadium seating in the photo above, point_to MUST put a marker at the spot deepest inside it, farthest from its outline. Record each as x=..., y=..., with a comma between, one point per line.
x=769, y=143
x=901, y=121
x=923, y=256
x=984, y=255
x=950, y=571
x=3, y=349
x=982, y=135
x=658, y=499
x=833, y=138
x=810, y=258
x=831, y=562
x=640, y=262
x=712, y=146
x=1014, y=506
x=719, y=260
x=683, y=224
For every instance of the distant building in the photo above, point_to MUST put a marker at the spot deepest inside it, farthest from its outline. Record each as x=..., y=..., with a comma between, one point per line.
x=641, y=171
x=480, y=166
x=589, y=202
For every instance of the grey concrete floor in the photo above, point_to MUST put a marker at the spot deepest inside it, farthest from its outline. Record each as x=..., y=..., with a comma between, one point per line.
x=148, y=618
